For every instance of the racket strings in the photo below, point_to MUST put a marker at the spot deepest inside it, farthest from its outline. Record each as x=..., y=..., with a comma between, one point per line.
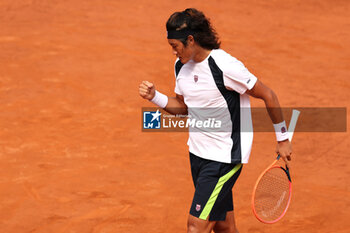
x=272, y=194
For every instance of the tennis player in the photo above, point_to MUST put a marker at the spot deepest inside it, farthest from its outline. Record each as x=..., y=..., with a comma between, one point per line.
x=208, y=77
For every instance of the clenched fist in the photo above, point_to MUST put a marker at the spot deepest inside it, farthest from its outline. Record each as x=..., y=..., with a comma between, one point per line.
x=147, y=90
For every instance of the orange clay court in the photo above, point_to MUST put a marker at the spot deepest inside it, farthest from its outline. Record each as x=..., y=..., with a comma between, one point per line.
x=73, y=157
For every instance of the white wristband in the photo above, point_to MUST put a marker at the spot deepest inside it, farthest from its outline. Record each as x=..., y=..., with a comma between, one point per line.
x=160, y=99
x=281, y=131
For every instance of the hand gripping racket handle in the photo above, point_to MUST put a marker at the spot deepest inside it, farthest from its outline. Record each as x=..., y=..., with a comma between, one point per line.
x=292, y=124
x=291, y=128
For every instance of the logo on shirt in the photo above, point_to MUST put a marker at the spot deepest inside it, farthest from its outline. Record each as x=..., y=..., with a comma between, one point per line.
x=151, y=119
x=248, y=81
x=198, y=207
x=195, y=78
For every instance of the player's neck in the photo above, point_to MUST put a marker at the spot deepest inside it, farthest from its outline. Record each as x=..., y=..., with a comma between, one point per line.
x=200, y=54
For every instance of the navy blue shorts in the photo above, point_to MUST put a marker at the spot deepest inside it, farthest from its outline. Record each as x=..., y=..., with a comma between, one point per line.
x=213, y=182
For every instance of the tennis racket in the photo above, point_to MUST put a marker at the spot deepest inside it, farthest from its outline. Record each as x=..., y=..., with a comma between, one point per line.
x=273, y=189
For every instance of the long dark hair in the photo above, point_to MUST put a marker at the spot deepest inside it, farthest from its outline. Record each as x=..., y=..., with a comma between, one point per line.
x=192, y=19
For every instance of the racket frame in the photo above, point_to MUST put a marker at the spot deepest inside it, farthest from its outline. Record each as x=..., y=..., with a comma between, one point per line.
x=291, y=128
x=286, y=170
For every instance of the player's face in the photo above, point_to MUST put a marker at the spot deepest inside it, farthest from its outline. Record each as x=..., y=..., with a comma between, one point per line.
x=184, y=53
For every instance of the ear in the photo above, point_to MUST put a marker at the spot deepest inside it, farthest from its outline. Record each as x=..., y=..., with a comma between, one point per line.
x=190, y=40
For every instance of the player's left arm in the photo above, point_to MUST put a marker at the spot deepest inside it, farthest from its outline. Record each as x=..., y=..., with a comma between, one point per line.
x=261, y=91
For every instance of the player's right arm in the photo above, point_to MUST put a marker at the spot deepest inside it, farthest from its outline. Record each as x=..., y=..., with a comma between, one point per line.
x=175, y=105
